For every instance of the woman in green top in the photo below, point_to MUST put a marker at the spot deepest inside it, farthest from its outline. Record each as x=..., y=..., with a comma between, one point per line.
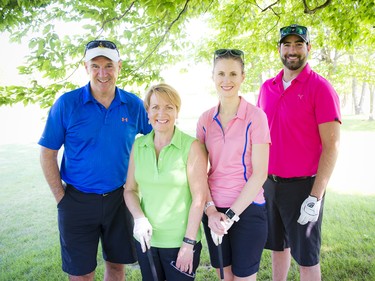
x=165, y=191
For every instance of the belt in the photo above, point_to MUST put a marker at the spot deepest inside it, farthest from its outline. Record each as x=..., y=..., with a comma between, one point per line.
x=101, y=194
x=280, y=179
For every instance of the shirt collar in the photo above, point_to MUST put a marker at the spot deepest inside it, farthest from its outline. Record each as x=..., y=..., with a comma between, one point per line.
x=148, y=140
x=88, y=97
x=241, y=111
x=302, y=76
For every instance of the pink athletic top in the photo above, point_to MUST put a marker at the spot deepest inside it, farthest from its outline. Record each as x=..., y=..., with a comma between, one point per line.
x=293, y=116
x=229, y=150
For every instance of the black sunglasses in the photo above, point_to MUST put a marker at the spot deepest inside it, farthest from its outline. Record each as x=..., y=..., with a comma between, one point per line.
x=293, y=29
x=233, y=52
x=101, y=44
x=173, y=264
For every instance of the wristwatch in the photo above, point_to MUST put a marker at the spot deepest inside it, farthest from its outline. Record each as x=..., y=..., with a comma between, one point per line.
x=232, y=215
x=189, y=241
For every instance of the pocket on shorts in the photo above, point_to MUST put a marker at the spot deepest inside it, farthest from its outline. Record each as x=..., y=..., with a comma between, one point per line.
x=59, y=205
x=260, y=211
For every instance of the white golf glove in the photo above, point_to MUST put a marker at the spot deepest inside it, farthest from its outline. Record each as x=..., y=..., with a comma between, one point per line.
x=219, y=238
x=309, y=210
x=142, y=232
x=227, y=224
x=216, y=238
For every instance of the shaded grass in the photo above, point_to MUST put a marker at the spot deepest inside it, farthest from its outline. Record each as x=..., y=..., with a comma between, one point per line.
x=29, y=241
x=348, y=247
x=357, y=124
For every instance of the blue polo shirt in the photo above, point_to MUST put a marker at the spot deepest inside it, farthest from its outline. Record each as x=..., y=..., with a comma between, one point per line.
x=97, y=141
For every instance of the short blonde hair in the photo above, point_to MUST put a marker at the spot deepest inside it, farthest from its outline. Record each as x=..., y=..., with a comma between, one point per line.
x=164, y=91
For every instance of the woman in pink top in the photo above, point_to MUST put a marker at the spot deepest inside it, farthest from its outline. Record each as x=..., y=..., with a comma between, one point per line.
x=236, y=136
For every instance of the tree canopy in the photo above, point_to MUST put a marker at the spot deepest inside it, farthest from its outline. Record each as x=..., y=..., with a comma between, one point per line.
x=152, y=34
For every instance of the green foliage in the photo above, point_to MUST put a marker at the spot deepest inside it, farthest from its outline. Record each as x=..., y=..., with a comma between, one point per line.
x=152, y=34
x=44, y=95
x=335, y=30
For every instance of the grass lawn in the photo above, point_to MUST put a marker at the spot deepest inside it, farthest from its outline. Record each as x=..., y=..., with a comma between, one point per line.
x=29, y=241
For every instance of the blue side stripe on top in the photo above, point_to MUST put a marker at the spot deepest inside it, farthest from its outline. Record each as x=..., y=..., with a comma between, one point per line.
x=218, y=122
x=244, y=151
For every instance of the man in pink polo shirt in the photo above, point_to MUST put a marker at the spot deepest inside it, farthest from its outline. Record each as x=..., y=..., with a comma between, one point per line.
x=303, y=113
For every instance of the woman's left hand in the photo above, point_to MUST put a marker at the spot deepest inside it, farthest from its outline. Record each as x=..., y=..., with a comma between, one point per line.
x=185, y=256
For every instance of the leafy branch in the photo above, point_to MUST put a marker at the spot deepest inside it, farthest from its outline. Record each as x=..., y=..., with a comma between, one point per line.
x=163, y=37
x=117, y=18
x=309, y=11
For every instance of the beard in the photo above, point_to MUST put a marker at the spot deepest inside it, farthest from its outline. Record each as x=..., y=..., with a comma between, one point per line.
x=293, y=65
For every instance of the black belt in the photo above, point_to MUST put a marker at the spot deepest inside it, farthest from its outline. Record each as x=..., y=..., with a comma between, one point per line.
x=280, y=179
x=102, y=194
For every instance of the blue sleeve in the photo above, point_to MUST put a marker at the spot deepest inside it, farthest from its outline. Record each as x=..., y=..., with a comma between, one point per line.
x=54, y=131
x=143, y=124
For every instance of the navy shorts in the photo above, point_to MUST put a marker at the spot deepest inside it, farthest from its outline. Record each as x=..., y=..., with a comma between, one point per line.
x=242, y=247
x=83, y=219
x=164, y=260
x=284, y=202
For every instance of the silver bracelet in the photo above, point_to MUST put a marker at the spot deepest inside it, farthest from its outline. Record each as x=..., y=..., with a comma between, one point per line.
x=208, y=204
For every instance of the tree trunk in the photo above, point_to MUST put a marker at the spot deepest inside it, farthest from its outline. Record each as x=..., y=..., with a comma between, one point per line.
x=354, y=90
x=362, y=98
x=372, y=93
x=355, y=103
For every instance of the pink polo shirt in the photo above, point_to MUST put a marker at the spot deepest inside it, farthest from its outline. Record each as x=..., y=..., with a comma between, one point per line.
x=229, y=150
x=293, y=116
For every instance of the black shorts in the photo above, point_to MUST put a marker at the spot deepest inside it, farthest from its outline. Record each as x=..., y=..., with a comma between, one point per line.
x=164, y=260
x=284, y=202
x=242, y=247
x=83, y=219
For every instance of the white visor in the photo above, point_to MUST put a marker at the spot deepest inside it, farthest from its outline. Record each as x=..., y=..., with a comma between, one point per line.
x=112, y=54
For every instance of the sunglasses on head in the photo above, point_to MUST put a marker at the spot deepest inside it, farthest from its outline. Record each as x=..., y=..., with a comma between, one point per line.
x=101, y=44
x=293, y=29
x=233, y=52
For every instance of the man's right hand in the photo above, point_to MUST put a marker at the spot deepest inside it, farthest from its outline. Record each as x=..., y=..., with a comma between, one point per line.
x=143, y=232
x=309, y=210
x=60, y=195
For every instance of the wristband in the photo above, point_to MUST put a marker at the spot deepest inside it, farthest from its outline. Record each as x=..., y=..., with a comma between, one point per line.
x=232, y=215
x=189, y=241
x=208, y=204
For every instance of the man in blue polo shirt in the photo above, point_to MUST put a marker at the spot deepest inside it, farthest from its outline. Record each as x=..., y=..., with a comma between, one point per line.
x=97, y=125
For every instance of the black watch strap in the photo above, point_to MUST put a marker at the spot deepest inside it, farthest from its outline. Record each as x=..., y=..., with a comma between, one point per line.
x=189, y=241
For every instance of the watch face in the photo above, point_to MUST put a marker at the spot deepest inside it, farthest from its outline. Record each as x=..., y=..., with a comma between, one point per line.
x=230, y=214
